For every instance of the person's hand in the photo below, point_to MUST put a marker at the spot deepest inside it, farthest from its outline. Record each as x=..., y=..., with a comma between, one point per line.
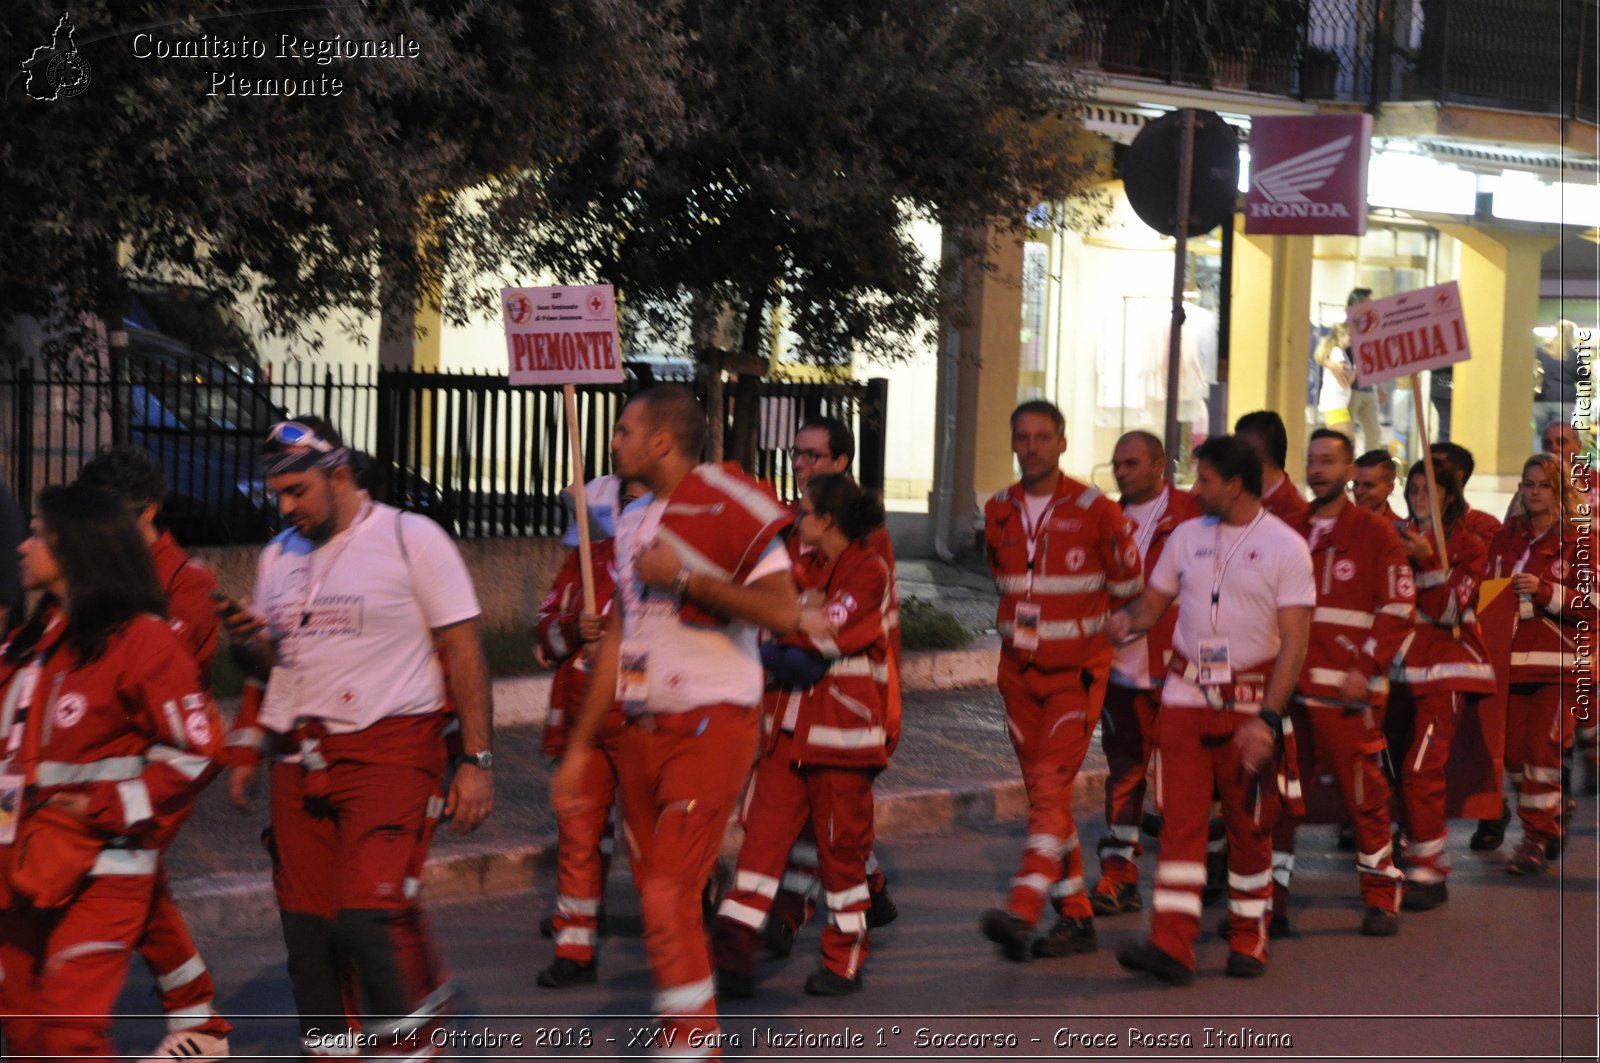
x=812, y=598
x=1525, y=583
x=239, y=624
x=1418, y=547
x=540, y=657
x=1345, y=374
x=241, y=784
x=1119, y=627
x=1354, y=687
x=1256, y=744
x=566, y=795
x=816, y=625
x=658, y=566
x=471, y=798
x=73, y=804
x=591, y=626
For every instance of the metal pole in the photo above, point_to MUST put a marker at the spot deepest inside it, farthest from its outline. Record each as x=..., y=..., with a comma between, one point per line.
x=1179, y=266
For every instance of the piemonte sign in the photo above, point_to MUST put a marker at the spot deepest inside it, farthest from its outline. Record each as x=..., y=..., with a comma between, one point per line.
x=1308, y=175
x=1408, y=333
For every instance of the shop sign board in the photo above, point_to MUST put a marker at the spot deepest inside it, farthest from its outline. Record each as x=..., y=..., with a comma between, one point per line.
x=562, y=335
x=1308, y=175
x=1408, y=333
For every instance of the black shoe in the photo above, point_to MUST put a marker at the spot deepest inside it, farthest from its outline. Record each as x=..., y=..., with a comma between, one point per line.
x=1424, y=896
x=1553, y=847
x=1009, y=932
x=1491, y=832
x=565, y=972
x=547, y=927
x=1150, y=823
x=1241, y=965
x=1149, y=958
x=1378, y=923
x=1107, y=899
x=777, y=937
x=824, y=983
x=1069, y=937
x=1529, y=859
x=1569, y=808
x=735, y=984
x=1278, y=927
x=1347, y=837
x=881, y=911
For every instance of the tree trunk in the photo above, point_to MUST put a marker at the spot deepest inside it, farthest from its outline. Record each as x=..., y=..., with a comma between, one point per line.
x=747, y=399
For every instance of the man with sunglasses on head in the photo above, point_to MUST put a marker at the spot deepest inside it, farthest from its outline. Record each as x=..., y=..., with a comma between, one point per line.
x=354, y=605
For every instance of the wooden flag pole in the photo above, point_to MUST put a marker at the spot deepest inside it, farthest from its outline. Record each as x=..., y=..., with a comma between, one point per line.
x=580, y=495
x=1427, y=464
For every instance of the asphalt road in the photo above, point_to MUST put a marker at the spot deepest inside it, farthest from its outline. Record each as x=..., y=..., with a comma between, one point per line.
x=1506, y=970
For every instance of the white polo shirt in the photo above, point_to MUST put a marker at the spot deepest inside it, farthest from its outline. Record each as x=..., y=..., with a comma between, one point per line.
x=1257, y=569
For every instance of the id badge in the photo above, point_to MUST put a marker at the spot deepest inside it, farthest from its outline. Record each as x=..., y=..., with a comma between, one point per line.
x=1215, y=666
x=633, y=676
x=1026, y=634
x=281, y=704
x=11, y=790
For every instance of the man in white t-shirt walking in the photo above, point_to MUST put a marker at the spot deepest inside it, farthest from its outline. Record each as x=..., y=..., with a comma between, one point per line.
x=1243, y=583
x=700, y=570
x=354, y=606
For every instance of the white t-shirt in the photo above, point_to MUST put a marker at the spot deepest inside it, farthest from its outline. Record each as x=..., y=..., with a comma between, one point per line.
x=688, y=665
x=366, y=651
x=1265, y=566
x=1033, y=507
x=1334, y=395
x=1130, y=665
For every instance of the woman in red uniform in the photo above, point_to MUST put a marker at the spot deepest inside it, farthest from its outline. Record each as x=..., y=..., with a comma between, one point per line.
x=1537, y=549
x=1444, y=663
x=106, y=730
x=824, y=738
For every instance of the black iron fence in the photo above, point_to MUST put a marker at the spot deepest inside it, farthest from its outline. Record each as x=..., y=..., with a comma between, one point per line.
x=1529, y=55
x=481, y=457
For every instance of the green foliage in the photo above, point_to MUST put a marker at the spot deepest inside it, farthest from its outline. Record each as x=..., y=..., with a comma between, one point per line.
x=924, y=626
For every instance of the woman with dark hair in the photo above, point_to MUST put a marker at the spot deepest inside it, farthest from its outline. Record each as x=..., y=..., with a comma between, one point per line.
x=1538, y=550
x=823, y=740
x=1443, y=664
x=105, y=732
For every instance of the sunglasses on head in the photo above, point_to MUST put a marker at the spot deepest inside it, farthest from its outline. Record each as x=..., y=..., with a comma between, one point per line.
x=295, y=434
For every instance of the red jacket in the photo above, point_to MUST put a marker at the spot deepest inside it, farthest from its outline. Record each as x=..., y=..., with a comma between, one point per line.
x=1086, y=554
x=841, y=720
x=1545, y=647
x=134, y=730
x=1366, y=603
x=1181, y=506
x=188, y=583
x=556, y=631
x=720, y=522
x=1447, y=652
x=1286, y=502
x=1481, y=524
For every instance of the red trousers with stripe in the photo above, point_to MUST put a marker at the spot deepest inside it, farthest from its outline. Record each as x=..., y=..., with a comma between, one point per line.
x=1051, y=717
x=1128, y=738
x=580, y=862
x=64, y=968
x=681, y=775
x=837, y=804
x=1199, y=759
x=350, y=842
x=1538, y=731
x=1421, y=729
x=187, y=991
x=1346, y=743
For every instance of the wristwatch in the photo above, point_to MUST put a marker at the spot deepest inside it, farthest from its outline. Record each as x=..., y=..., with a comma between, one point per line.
x=484, y=760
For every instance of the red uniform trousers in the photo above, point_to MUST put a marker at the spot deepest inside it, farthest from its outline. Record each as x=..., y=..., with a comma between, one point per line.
x=837, y=805
x=1051, y=716
x=187, y=992
x=1128, y=738
x=1421, y=730
x=681, y=774
x=1538, y=731
x=64, y=968
x=349, y=841
x=1199, y=758
x=1347, y=743
x=797, y=889
x=581, y=859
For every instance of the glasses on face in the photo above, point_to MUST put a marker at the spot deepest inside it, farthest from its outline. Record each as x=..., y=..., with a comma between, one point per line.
x=812, y=456
x=295, y=434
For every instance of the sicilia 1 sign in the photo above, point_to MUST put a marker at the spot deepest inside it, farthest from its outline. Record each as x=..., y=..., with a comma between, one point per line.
x=1308, y=176
x=1407, y=334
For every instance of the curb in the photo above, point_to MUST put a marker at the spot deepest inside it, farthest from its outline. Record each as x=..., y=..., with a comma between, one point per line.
x=522, y=701
x=223, y=905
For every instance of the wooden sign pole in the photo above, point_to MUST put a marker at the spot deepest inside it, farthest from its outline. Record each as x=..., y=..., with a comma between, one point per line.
x=580, y=495
x=1420, y=410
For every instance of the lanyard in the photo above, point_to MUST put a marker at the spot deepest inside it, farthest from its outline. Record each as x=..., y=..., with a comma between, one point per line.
x=1220, y=564
x=362, y=520
x=1033, y=535
x=1148, y=531
x=1522, y=562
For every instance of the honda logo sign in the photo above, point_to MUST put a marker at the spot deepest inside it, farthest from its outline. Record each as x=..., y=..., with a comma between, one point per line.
x=1309, y=175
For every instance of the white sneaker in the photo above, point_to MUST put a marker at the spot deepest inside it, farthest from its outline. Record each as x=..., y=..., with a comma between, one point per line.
x=189, y=1045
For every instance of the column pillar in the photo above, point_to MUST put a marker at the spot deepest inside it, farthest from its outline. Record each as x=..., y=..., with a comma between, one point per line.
x=990, y=367
x=1270, y=350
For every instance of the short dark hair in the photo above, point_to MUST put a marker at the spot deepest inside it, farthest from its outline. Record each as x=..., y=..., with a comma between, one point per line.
x=674, y=408
x=1455, y=505
x=1330, y=433
x=1047, y=409
x=1358, y=295
x=128, y=472
x=1267, y=427
x=1234, y=459
x=1157, y=448
x=841, y=441
x=858, y=512
x=1377, y=458
x=1458, y=456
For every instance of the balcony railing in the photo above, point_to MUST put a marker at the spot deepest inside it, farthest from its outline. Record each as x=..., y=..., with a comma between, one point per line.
x=1526, y=55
